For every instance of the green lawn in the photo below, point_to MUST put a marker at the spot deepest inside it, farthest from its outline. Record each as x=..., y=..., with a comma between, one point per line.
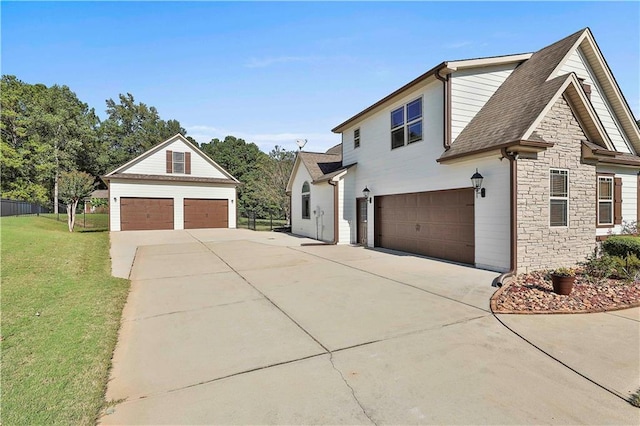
x=60, y=316
x=89, y=221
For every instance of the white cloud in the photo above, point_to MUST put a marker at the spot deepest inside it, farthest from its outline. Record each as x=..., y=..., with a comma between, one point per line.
x=318, y=142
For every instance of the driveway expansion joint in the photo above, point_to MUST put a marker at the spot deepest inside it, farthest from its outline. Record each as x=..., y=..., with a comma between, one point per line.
x=267, y=298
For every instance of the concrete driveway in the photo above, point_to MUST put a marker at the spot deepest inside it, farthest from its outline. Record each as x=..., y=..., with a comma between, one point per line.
x=239, y=327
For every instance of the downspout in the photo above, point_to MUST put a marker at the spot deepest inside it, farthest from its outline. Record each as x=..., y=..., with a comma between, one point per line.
x=335, y=211
x=513, y=231
x=446, y=96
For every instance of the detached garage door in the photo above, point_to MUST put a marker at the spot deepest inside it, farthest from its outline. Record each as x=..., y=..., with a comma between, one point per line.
x=138, y=214
x=205, y=213
x=437, y=224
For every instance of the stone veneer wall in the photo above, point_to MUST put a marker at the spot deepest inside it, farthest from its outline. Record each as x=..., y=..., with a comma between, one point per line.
x=539, y=245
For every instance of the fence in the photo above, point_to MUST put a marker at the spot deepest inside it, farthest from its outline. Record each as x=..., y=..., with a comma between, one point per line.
x=19, y=208
x=269, y=221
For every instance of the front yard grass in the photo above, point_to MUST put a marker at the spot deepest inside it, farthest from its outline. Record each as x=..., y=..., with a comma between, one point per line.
x=60, y=316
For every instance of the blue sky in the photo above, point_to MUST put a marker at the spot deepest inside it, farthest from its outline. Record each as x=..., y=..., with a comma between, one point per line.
x=275, y=72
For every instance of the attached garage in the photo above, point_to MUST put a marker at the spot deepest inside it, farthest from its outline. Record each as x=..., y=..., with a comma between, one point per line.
x=174, y=185
x=199, y=213
x=437, y=224
x=137, y=214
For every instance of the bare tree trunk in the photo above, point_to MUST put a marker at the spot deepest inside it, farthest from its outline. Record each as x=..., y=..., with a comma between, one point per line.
x=55, y=192
x=69, y=216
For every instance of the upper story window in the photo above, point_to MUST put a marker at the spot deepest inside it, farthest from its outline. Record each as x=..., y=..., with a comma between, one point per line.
x=306, y=201
x=178, y=162
x=605, y=200
x=406, y=124
x=558, y=197
x=356, y=138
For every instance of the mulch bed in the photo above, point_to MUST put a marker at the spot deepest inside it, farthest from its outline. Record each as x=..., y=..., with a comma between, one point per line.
x=533, y=294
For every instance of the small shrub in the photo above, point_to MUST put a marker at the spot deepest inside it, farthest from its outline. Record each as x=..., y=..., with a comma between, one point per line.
x=564, y=272
x=627, y=267
x=622, y=246
x=599, y=267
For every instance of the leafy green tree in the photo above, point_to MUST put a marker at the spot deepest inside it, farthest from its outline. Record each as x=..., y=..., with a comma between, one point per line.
x=274, y=171
x=132, y=128
x=74, y=186
x=241, y=160
x=44, y=131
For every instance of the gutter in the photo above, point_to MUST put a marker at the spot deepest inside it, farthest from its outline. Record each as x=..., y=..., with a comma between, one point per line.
x=513, y=189
x=446, y=96
x=335, y=211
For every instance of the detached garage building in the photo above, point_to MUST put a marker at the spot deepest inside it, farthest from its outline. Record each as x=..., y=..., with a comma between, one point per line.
x=174, y=185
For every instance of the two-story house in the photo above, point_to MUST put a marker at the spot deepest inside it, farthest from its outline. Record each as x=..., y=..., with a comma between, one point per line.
x=549, y=132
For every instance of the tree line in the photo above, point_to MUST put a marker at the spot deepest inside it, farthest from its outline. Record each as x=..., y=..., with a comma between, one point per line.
x=47, y=131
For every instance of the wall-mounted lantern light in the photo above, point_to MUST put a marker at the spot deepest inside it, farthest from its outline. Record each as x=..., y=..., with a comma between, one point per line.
x=366, y=193
x=476, y=180
x=115, y=199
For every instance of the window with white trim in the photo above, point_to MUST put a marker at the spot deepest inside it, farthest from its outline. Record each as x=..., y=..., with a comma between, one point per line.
x=406, y=124
x=306, y=201
x=558, y=197
x=605, y=200
x=178, y=162
x=356, y=138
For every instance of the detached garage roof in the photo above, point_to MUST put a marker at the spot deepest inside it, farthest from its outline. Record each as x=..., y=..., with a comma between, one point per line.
x=177, y=160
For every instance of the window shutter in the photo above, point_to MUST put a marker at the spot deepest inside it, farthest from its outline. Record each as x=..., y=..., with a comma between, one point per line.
x=169, y=161
x=617, y=201
x=187, y=163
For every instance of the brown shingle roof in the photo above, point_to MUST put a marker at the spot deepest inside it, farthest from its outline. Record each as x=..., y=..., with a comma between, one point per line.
x=319, y=164
x=516, y=104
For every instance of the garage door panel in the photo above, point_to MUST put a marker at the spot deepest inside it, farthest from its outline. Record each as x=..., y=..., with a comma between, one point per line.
x=138, y=214
x=437, y=224
x=205, y=213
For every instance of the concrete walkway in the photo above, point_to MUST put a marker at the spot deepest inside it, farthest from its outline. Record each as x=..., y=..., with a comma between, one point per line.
x=239, y=327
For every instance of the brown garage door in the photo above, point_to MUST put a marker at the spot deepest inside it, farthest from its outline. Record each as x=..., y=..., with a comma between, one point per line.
x=205, y=213
x=146, y=213
x=437, y=224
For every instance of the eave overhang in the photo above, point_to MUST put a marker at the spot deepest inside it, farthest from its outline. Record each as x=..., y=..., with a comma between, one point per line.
x=528, y=146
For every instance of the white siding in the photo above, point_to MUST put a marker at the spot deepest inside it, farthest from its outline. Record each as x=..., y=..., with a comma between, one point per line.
x=175, y=190
x=577, y=63
x=470, y=90
x=347, y=202
x=320, y=224
x=156, y=163
x=413, y=168
x=629, y=197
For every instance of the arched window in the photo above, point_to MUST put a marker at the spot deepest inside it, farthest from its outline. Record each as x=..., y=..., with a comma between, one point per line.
x=306, y=202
